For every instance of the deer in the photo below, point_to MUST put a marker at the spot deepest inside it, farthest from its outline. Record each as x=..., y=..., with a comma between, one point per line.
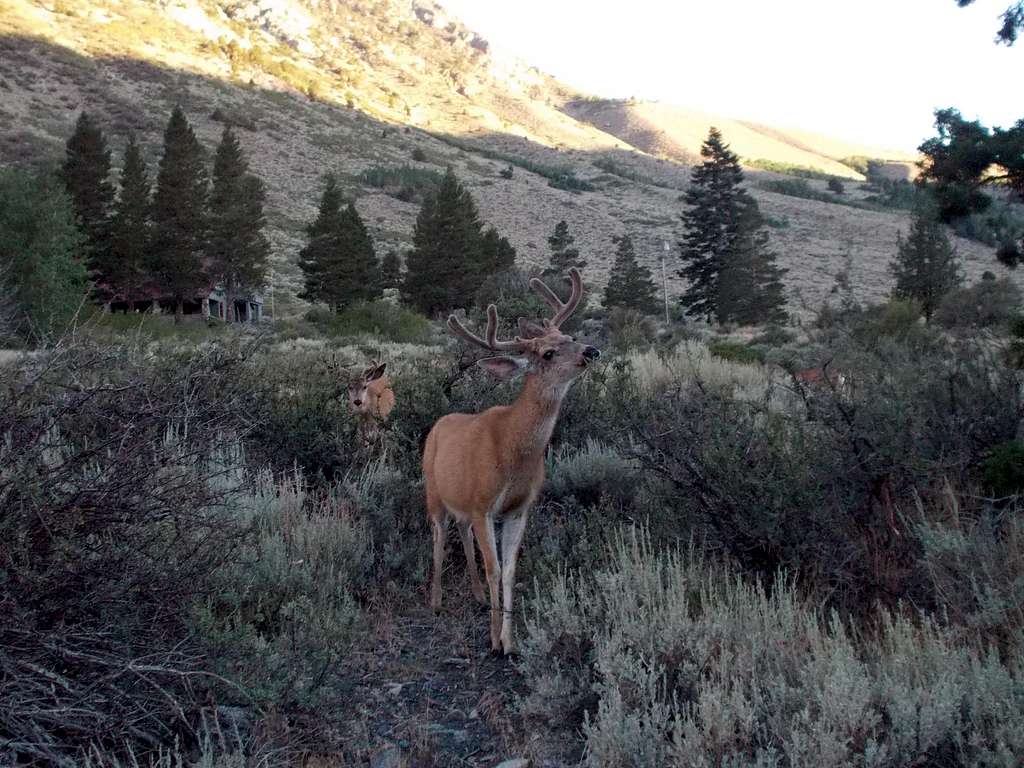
x=370, y=400
x=487, y=467
x=820, y=377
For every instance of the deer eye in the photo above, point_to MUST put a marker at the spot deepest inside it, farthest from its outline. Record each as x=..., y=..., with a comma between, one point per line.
x=549, y=354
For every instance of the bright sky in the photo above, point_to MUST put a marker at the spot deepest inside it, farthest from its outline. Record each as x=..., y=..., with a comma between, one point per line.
x=869, y=71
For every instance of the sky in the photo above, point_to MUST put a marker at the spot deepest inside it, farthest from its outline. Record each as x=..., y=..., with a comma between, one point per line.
x=868, y=71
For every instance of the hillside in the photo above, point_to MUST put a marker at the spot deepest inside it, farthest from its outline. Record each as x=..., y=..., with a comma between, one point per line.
x=346, y=85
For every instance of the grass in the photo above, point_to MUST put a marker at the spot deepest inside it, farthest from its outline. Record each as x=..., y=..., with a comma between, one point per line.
x=788, y=169
x=406, y=182
x=374, y=320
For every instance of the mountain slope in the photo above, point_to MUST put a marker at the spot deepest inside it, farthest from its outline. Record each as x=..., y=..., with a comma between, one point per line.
x=320, y=85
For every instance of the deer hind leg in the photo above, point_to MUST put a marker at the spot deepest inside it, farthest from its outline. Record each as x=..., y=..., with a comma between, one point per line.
x=483, y=527
x=439, y=522
x=512, y=530
x=466, y=533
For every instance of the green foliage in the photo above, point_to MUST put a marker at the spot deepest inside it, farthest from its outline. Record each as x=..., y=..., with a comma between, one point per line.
x=902, y=195
x=1004, y=470
x=1013, y=21
x=563, y=254
x=836, y=186
x=510, y=291
x=926, y=267
x=986, y=304
x=391, y=270
x=339, y=263
x=667, y=658
x=446, y=265
x=419, y=155
x=131, y=232
x=735, y=351
x=408, y=183
x=40, y=255
x=237, y=251
x=629, y=283
x=998, y=224
x=558, y=176
x=789, y=169
x=179, y=215
x=376, y=319
x=86, y=176
x=1009, y=254
x=629, y=329
x=507, y=173
x=496, y=253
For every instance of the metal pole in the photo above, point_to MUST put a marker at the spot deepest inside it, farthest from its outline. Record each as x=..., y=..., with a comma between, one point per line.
x=664, y=280
x=273, y=314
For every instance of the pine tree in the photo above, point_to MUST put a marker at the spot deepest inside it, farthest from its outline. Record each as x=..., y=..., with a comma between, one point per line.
x=86, y=176
x=750, y=289
x=497, y=253
x=629, y=283
x=713, y=199
x=314, y=255
x=391, y=270
x=40, y=246
x=339, y=261
x=237, y=250
x=130, y=228
x=926, y=267
x=731, y=272
x=445, y=268
x=179, y=216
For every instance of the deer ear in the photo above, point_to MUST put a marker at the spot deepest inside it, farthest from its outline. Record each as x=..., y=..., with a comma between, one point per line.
x=528, y=330
x=503, y=368
x=375, y=373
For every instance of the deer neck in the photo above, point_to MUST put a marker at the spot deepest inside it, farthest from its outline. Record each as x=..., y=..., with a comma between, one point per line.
x=534, y=414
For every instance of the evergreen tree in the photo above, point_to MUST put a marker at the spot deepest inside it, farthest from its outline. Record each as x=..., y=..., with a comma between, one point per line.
x=731, y=272
x=497, y=253
x=714, y=200
x=45, y=280
x=86, y=176
x=629, y=283
x=179, y=216
x=339, y=262
x=445, y=268
x=391, y=270
x=130, y=228
x=926, y=267
x=563, y=256
x=237, y=250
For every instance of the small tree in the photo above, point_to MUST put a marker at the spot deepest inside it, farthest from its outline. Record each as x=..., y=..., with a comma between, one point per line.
x=391, y=270
x=445, y=268
x=39, y=254
x=237, y=250
x=926, y=266
x=836, y=186
x=339, y=262
x=86, y=176
x=563, y=254
x=179, y=215
x=750, y=289
x=130, y=228
x=629, y=283
x=714, y=199
x=496, y=253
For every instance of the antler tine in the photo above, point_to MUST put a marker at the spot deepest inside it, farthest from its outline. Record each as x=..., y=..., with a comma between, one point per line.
x=563, y=310
x=491, y=342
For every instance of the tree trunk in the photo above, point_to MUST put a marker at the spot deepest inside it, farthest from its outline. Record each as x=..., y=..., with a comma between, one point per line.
x=131, y=307
x=179, y=310
x=229, y=302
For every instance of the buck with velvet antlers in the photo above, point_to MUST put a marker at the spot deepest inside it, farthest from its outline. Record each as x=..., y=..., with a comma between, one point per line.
x=484, y=467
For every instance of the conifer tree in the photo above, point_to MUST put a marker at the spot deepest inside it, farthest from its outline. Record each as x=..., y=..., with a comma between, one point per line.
x=237, y=250
x=391, y=270
x=445, y=268
x=731, y=273
x=130, y=228
x=926, y=267
x=563, y=256
x=339, y=262
x=86, y=176
x=179, y=216
x=710, y=221
x=629, y=283
x=497, y=253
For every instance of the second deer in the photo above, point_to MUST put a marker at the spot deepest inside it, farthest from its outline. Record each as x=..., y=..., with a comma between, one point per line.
x=371, y=399
x=488, y=467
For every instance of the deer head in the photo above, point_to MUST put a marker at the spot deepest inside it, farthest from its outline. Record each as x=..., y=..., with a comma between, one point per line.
x=361, y=397
x=542, y=349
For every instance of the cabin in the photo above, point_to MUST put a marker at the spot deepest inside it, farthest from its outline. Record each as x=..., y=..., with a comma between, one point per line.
x=210, y=303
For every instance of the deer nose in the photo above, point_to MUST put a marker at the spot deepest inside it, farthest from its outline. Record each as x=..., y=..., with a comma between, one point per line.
x=357, y=402
x=591, y=353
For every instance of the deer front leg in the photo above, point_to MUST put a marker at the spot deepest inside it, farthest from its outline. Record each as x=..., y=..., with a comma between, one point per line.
x=512, y=530
x=483, y=527
x=466, y=533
